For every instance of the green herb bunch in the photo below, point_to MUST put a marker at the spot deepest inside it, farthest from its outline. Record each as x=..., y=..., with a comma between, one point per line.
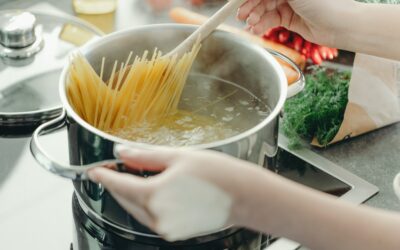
x=319, y=109
x=381, y=1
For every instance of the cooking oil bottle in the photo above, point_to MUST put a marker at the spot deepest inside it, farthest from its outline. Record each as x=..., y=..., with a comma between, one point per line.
x=94, y=7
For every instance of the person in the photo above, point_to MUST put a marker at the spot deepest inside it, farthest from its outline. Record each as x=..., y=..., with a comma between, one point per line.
x=159, y=5
x=200, y=191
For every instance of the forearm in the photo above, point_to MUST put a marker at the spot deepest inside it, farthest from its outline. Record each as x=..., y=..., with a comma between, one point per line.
x=372, y=29
x=280, y=207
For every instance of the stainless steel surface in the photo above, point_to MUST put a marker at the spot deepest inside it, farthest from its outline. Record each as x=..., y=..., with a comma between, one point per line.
x=20, y=37
x=297, y=86
x=68, y=171
x=17, y=29
x=91, y=236
x=24, y=52
x=78, y=172
x=35, y=204
x=250, y=67
x=29, y=75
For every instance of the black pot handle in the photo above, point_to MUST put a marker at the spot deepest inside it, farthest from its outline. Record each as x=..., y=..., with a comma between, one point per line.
x=72, y=172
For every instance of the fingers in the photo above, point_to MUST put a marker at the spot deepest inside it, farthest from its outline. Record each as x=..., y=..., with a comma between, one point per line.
x=131, y=192
x=257, y=8
x=262, y=15
x=268, y=20
x=246, y=8
x=159, y=4
x=122, y=184
x=144, y=159
x=256, y=14
x=281, y=16
x=140, y=212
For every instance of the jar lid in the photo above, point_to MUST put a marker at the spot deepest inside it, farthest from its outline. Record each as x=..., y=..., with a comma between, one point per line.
x=34, y=46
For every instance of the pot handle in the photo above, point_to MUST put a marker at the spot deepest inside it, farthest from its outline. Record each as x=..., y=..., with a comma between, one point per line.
x=72, y=172
x=300, y=83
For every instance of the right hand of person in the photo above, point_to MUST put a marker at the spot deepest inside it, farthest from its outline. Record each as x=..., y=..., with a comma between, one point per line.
x=318, y=21
x=196, y=192
x=159, y=5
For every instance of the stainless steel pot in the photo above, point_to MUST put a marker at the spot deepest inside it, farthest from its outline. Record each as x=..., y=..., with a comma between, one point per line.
x=222, y=55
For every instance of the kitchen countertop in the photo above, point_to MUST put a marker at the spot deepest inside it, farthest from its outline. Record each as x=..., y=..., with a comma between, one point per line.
x=374, y=157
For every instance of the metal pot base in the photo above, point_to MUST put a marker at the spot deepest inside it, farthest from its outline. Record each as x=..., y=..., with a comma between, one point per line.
x=90, y=236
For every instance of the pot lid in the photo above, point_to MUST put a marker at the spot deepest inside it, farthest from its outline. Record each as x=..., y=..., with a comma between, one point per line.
x=34, y=46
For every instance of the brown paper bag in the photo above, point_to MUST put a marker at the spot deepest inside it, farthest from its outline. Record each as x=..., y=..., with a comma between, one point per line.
x=373, y=97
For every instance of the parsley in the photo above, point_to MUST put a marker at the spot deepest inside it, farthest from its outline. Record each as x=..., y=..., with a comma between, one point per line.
x=319, y=109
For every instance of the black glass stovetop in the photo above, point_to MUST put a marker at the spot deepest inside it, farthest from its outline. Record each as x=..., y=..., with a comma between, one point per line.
x=305, y=168
x=303, y=172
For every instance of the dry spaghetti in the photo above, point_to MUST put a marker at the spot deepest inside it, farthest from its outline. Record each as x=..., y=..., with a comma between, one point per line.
x=142, y=91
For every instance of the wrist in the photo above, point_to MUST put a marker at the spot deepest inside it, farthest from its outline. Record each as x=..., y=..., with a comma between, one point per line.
x=348, y=26
x=254, y=190
x=247, y=187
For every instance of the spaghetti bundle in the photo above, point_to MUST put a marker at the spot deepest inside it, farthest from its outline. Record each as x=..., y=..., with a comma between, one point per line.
x=142, y=91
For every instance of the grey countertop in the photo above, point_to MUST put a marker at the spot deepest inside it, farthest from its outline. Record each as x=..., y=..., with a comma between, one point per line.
x=374, y=157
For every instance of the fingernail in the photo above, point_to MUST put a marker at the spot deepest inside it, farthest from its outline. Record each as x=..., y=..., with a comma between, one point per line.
x=253, y=19
x=120, y=149
x=253, y=30
x=237, y=14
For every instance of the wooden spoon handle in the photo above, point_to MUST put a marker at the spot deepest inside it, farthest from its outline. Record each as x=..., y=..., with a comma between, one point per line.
x=209, y=26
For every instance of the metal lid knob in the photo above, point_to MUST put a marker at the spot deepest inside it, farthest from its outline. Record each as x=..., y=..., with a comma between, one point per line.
x=17, y=29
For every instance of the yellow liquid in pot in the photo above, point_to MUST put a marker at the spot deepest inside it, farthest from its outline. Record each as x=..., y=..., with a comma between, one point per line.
x=228, y=113
x=181, y=129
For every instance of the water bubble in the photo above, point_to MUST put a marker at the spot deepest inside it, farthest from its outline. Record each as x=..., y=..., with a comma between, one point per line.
x=227, y=118
x=244, y=103
x=229, y=109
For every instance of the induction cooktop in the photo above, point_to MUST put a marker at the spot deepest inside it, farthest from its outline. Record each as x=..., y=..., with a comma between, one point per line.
x=308, y=168
x=302, y=166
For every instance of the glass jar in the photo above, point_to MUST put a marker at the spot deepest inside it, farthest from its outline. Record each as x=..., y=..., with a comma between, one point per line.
x=94, y=7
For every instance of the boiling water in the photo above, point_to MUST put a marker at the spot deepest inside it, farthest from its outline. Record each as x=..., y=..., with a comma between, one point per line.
x=211, y=109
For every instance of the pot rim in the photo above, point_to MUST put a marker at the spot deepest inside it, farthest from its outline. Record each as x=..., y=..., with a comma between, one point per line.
x=215, y=144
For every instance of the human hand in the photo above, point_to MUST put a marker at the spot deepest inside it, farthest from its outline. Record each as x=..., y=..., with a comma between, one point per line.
x=197, y=192
x=159, y=4
x=318, y=21
x=164, y=4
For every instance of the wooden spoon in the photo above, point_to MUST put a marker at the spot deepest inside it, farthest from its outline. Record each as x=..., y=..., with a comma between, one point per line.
x=199, y=35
